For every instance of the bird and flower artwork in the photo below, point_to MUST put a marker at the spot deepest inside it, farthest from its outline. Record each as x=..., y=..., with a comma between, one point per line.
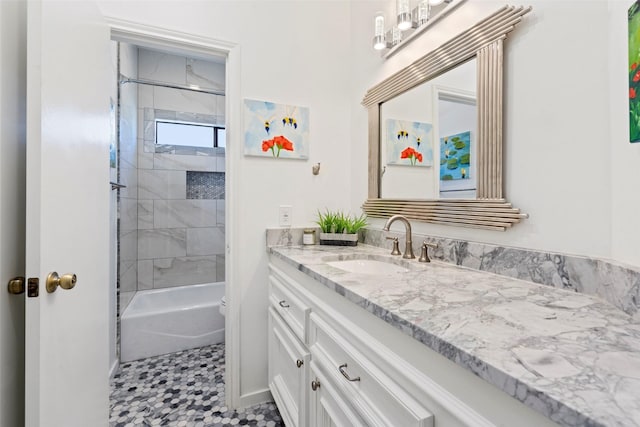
x=275, y=130
x=634, y=72
x=409, y=143
x=455, y=156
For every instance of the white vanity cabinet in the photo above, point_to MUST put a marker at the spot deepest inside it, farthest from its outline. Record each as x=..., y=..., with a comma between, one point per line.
x=327, y=406
x=359, y=379
x=357, y=370
x=288, y=365
x=288, y=372
x=326, y=371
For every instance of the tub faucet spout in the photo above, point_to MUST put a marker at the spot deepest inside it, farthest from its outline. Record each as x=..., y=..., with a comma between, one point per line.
x=408, y=249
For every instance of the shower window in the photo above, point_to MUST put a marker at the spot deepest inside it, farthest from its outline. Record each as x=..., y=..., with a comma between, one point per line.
x=221, y=137
x=187, y=134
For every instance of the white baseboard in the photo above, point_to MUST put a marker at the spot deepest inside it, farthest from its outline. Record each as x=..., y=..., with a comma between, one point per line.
x=251, y=399
x=114, y=368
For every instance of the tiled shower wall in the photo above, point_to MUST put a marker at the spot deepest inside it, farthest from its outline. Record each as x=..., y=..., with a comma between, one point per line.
x=180, y=241
x=128, y=170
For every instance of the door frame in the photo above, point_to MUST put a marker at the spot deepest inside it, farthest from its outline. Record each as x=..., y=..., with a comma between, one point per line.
x=196, y=46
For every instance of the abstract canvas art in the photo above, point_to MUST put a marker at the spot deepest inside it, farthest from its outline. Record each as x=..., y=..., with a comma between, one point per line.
x=275, y=130
x=409, y=143
x=455, y=156
x=634, y=72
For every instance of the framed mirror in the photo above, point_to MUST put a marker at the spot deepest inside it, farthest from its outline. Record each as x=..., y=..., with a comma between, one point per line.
x=459, y=180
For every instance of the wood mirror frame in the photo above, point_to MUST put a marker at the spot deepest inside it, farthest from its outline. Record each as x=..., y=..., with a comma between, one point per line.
x=489, y=210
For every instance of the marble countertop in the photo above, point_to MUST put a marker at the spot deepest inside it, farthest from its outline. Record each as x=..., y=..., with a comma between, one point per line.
x=572, y=357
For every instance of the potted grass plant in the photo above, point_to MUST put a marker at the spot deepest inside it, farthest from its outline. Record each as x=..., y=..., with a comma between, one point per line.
x=337, y=228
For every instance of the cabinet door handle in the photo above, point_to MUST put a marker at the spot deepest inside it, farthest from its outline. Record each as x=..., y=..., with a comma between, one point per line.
x=284, y=304
x=299, y=363
x=315, y=384
x=344, y=373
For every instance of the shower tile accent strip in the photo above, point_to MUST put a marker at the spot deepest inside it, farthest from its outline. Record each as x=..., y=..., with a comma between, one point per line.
x=614, y=282
x=180, y=389
x=205, y=185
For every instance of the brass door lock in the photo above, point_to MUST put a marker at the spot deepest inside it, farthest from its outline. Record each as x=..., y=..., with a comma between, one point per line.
x=67, y=281
x=16, y=285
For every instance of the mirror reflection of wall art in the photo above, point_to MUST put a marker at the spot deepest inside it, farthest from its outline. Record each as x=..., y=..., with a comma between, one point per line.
x=409, y=143
x=455, y=156
x=634, y=72
x=275, y=130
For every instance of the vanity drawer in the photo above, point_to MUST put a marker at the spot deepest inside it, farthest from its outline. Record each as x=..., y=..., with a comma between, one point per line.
x=327, y=405
x=293, y=310
x=288, y=372
x=378, y=398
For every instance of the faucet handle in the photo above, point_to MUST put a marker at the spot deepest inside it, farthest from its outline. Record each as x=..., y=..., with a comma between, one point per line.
x=424, y=254
x=396, y=249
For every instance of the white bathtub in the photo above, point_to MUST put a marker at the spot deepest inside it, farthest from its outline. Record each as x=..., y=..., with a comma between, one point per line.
x=161, y=321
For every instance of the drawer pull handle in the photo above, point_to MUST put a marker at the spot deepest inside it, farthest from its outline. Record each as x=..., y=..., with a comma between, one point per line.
x=284, y=304
x=299, y=363
x=344, y=373
x=315, y=384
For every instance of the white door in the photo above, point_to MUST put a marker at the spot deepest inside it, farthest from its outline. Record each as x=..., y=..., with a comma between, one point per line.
x=68, y=69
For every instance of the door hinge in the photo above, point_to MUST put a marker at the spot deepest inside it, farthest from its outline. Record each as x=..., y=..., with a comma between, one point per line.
x=33, y=287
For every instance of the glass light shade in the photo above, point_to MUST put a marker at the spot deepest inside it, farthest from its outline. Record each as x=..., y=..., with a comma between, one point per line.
x=423, y=12
x=435, y=2
x=404, y=14
x=402, y=6
x=379, y=40
x=396, y=35
x=379, y=25
x=379, y=43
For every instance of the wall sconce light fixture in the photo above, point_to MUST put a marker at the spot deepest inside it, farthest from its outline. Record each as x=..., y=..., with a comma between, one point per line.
x=423, y=8
x=379, y=39
x=416, y=19
x=403, y=14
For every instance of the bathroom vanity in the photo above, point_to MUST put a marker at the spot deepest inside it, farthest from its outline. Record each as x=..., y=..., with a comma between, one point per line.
x=360, y=337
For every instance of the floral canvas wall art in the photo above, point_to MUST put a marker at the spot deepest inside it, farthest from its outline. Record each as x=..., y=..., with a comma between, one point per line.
x=275, y=130
x=409, y=143
x=455, y=156
x=634, y=72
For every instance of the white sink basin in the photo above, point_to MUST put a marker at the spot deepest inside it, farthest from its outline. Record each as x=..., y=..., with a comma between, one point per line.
x=367, y=266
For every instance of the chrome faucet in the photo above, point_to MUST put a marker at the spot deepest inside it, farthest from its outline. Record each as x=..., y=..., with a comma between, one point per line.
x=408, y=249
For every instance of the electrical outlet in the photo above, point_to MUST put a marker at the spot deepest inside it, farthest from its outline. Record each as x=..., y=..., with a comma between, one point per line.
x=285, y=215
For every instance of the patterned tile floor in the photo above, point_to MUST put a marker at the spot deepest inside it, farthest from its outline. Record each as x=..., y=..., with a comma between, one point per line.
x=180, y=389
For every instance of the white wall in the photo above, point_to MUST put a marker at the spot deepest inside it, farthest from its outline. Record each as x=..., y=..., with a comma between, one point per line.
x=12, y=207
x=556, y=109
x=293, y=52
x=625, y=157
